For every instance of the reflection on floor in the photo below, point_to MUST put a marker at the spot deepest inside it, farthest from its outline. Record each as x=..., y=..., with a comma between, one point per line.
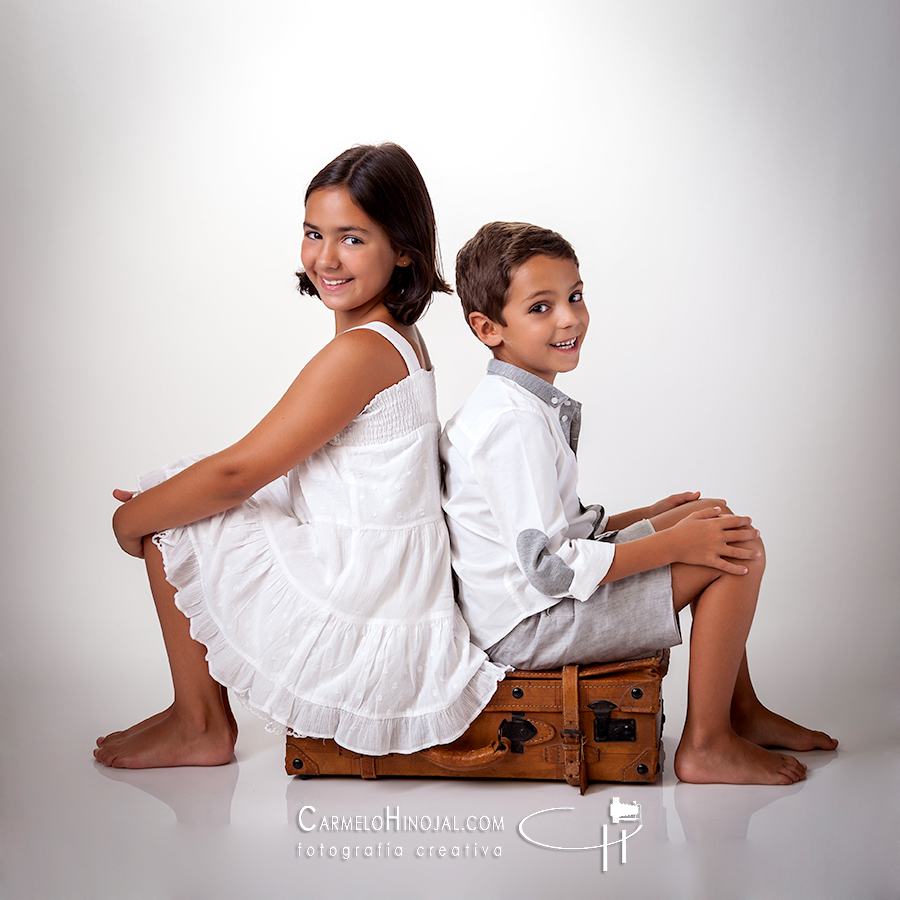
x=75, y=829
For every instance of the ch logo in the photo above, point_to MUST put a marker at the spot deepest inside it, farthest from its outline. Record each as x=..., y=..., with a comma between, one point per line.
x=618, y=812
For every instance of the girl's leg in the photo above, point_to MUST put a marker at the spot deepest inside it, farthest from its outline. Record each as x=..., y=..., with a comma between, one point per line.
x=197, y=729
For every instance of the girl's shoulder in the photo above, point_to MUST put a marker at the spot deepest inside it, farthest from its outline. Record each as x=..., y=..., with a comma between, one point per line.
x=360, y=351
x=405, y=339
x=400, y=397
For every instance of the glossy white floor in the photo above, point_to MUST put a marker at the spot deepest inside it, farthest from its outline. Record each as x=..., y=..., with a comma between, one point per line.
x=75, y=829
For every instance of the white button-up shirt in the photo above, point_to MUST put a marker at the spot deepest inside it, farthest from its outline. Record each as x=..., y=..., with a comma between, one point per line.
x=520, y=538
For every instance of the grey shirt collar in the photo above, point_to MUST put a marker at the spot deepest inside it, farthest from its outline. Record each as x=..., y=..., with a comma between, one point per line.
x=568, y=410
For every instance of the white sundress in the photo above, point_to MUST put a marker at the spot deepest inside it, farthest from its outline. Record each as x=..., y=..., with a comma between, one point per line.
x=325, y=600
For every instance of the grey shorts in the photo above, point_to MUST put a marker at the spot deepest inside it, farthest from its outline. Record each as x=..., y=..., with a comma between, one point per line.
x=626, y=619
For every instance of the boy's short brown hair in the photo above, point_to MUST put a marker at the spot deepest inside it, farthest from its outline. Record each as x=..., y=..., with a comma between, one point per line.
x=485, y=264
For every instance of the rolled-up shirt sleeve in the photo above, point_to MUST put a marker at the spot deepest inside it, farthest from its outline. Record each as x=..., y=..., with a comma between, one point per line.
x=517, y=463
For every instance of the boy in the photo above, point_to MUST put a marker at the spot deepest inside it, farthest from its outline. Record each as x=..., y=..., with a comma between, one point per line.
x=544, y=581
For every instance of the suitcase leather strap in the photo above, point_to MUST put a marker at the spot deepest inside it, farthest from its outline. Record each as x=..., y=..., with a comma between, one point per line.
x=572, y=735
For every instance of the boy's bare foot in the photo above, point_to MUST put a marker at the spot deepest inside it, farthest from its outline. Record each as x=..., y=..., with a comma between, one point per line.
x=170, y=741
x=766, y=728
x=730, y=759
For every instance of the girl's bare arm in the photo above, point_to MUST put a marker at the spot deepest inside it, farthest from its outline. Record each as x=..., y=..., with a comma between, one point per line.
x=331, y=390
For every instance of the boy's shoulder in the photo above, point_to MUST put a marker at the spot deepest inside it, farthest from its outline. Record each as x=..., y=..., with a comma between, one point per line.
x=495, y=397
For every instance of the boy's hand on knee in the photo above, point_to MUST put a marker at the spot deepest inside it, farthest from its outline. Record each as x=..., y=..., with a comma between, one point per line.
x=672, y=502
x=708, y=538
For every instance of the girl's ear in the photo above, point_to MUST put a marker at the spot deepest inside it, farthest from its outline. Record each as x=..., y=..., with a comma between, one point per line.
x=403, y=261
x=486, y=330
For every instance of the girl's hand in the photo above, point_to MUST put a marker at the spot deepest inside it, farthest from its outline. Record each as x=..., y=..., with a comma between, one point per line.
x=671, y=502
x=132, y=546
x=707, y=538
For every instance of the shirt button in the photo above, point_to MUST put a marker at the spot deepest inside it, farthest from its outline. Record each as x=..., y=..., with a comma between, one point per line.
x=554, y=399
x=565, y=418
x=567, y=403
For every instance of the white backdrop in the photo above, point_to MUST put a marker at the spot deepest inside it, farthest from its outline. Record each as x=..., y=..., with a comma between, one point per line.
x=727, y=173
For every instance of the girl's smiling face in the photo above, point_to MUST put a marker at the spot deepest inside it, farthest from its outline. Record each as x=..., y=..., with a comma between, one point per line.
x=347, y=255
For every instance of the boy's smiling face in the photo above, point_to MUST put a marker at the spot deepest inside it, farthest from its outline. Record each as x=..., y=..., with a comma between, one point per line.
x=546, y=318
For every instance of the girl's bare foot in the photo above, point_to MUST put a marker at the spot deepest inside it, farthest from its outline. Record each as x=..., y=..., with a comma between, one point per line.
x=729, y=759
x=226, y=705
x=173, y=740
x=127, y=732
x=153, y=720
x=766, y=728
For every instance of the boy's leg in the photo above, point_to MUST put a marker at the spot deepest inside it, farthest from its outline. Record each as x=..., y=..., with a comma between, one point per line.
x=197, y=729
x=751, y=720
x=749, y=717
x=726, y=722
x=710, y=751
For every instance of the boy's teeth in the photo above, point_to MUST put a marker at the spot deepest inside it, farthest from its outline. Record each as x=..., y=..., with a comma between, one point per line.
x=564, y=345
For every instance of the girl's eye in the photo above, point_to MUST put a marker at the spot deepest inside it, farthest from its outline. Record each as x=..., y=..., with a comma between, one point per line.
x=539, y=308
x=577, y=297
x=313, y=235
x=351, y=240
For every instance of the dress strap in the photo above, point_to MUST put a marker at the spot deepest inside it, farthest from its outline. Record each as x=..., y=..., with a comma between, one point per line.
x=401, y=344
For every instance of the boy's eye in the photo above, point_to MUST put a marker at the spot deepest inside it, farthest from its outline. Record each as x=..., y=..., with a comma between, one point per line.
x=314, y=235
x=539, y=308
x=577, y=297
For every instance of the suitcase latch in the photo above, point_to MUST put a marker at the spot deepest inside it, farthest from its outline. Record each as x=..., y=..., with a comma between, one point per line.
x=517, y=731
x=608, y=729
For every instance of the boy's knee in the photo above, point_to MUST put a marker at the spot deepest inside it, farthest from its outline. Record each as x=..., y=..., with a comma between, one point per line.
x=762, y=552
x=709, y=503
x=756, y=567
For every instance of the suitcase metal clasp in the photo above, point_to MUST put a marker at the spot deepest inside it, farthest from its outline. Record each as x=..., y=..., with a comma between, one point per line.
x=517, y=732
x=608, y=729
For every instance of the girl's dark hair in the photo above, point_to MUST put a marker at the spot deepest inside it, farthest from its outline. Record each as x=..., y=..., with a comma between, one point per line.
x=387, y=186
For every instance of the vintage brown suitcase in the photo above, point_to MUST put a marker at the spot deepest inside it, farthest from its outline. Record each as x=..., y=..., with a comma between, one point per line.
x=582, y=724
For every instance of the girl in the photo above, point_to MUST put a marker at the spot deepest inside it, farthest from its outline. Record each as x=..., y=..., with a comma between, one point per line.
x=322, y=597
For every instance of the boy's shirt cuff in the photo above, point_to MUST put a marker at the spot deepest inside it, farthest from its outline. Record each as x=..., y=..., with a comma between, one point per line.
x=590, y=562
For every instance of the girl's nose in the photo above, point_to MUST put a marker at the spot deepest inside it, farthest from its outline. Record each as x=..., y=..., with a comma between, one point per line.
x=327, y=256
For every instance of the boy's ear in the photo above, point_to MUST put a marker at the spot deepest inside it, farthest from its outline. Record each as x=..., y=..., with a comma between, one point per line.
x=486, y=330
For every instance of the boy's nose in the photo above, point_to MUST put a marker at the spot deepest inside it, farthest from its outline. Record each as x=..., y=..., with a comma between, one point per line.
x=567, y=316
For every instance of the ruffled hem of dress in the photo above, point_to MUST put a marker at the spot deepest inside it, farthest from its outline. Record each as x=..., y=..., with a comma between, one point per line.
x=283, y=711
x=404, y=734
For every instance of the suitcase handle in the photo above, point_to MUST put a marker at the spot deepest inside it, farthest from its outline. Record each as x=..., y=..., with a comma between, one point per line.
x=465, y=759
